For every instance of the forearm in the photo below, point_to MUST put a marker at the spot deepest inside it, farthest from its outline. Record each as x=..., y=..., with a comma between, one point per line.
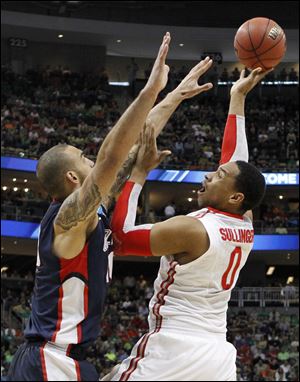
x=158, y=117
x=138, y=176
x=122, y=177
x=234, y=145
x=161, y=113
x=128, y=238
x=237, y=104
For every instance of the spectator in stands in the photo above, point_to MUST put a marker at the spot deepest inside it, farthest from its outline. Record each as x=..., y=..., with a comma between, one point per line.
x=224, y=75
x=170, y=210
x=283, y=74
x=293, y=75
x=235, y=75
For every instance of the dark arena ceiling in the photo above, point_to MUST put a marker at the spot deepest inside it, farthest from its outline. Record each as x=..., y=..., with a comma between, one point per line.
x=222, y=14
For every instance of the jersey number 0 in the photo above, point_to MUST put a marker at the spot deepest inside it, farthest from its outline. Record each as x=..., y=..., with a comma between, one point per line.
x=235, y=260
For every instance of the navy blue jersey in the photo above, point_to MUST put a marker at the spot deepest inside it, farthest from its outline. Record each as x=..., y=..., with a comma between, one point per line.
x=68, y=295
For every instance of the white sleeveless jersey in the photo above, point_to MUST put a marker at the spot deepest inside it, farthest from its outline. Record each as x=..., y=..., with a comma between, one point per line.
x=194, y=296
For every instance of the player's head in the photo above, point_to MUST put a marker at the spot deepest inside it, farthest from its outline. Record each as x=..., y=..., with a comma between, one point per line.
x=62, y=169
x=235, y=187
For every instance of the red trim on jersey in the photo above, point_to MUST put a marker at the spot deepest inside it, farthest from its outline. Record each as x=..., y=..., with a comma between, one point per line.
x=214, y=210
x=68, y=350
x=78, y=264
x=78, y=370
x=164, y=290
x=59, y=313
x=229, y=139
x=44, y=370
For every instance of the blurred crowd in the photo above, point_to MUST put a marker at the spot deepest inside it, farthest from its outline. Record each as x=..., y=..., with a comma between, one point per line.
x=266, y=341
x=216, y=74
x=41, y=109
x=28, y=205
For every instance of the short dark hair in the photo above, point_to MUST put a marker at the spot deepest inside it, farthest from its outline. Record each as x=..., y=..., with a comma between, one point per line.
x=251, y=182
x=51, y=167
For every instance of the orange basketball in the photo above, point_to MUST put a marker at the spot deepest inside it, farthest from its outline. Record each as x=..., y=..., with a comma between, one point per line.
x=260, y=42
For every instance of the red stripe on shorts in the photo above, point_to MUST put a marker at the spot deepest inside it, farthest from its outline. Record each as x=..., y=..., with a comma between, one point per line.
x=164, y=290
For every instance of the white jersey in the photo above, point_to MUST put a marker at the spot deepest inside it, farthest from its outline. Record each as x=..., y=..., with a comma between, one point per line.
x=187, y=320
x=194, y=296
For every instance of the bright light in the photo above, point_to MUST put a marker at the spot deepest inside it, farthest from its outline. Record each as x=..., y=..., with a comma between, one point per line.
x=15, y=188
x=190, y=199
x=3, y=269
x=25, y=180
x=4, y=188
x=270, y=271
x=194, y=191
x=280, y=197
x=15, y=242
x=290, y=279
x=60, y=36
x=118, y=41
x=14, y=179
x=114, y=83
x=26, y=189
x=181, y=44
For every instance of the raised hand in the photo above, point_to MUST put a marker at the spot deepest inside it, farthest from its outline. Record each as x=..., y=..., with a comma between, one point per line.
x=159, y=75
x=148, y=156
x=189, y=87
x=245, y=84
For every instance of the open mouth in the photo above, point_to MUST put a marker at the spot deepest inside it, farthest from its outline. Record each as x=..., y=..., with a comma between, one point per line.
x=202, y=188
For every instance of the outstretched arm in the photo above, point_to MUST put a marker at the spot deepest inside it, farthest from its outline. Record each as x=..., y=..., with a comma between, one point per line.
x=234, y=145
x=159, y=116
x=181, y=234
x=78, y=212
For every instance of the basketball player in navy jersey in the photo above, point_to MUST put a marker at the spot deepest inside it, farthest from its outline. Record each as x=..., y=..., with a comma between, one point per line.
x=74, y=241
x=73, y=247
x=201, y=257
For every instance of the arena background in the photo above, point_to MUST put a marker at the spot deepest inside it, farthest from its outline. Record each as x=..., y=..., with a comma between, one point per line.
x=68, y=70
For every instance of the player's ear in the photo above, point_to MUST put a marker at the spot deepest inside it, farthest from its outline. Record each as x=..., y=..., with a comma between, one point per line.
x=72, y=177
x=236, y=198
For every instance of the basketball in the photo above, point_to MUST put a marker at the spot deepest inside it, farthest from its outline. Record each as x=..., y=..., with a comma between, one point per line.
x=260, y=42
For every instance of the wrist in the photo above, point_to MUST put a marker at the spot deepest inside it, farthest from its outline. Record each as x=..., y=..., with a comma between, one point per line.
x=175, y=97
x=239, y=94
x=138, y=175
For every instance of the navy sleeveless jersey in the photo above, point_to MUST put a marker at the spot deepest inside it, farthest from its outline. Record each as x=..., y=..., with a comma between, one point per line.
x=68, y=295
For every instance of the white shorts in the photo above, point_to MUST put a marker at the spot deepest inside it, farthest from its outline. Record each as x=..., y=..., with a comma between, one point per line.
x=171, y=356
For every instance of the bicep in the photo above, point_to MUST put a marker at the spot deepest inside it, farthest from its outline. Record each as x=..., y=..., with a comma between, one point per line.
x=181, y=234
x=78, y=208
x=76, y=214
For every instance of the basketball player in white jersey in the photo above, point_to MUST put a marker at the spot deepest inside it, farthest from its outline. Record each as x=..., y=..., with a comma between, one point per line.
x=201, y=257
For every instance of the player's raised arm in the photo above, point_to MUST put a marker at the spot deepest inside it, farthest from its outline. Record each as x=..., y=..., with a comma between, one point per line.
x=77, y=214
x=234, y=145
x=180, y=235
x=159, y=116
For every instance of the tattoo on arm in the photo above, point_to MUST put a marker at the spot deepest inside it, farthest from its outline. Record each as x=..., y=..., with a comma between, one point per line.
x=74, y=210
x=122, y=176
